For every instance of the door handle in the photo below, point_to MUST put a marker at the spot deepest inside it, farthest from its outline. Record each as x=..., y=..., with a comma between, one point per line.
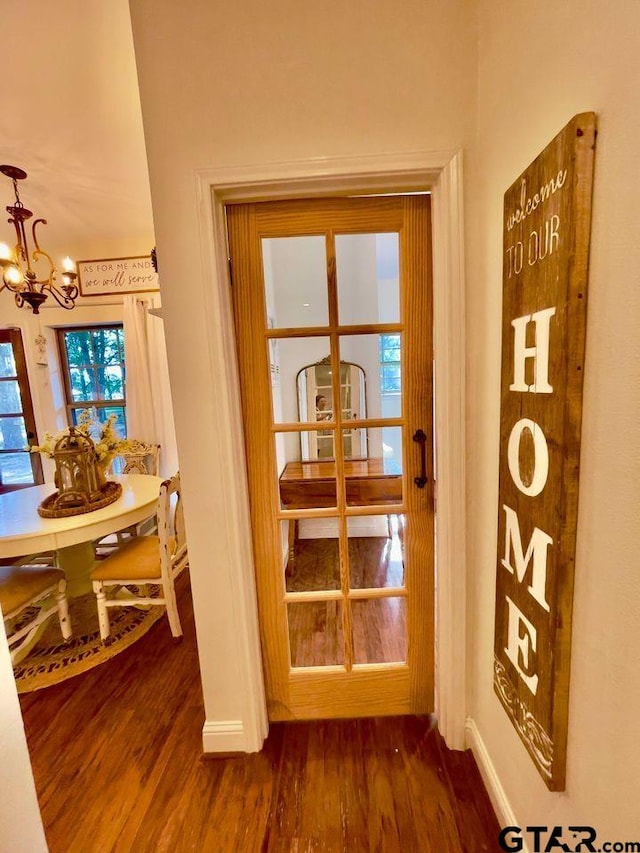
x=421, y=437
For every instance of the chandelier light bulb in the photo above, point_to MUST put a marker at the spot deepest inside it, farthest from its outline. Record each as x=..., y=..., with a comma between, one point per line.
x=14, y=275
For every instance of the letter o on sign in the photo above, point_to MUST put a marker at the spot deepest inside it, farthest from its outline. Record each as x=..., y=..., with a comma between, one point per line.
x=540, y=460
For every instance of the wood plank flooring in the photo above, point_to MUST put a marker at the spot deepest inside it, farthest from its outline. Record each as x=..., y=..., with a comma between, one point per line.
x=117, y=761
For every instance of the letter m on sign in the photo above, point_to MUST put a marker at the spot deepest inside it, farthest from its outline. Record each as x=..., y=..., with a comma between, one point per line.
x=536, y=554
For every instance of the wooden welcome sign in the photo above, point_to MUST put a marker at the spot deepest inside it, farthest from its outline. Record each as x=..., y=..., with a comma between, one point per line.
x=547, y=217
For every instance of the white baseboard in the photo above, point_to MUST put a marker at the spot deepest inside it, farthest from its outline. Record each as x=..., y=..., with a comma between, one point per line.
x=224, y=736
x=497, y=794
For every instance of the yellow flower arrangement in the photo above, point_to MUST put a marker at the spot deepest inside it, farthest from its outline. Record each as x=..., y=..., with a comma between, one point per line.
x=108, y=444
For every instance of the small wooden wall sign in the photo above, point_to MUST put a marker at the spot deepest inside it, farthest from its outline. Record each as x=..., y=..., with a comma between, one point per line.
x=547, y=219
x=111, y=276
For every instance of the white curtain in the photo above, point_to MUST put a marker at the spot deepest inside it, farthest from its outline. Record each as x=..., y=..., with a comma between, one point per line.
x=149, y=406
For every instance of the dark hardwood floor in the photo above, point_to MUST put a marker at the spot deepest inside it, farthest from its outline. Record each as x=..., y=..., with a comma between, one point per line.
x=117, y=761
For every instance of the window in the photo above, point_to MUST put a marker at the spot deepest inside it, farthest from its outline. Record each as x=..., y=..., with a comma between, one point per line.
x=94, y=373
x=390, y=364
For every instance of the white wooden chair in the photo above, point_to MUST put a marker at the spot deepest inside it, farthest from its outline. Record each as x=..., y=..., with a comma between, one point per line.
x=22, y=587
x=147, y=560
x=141, y=458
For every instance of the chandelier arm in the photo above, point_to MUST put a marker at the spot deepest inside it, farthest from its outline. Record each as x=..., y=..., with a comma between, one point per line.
x=38, y=252
x=22, y=247
x=64, y=300
x=36, y=222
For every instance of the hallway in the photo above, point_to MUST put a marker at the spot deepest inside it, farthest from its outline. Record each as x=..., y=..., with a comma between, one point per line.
x=117, y=761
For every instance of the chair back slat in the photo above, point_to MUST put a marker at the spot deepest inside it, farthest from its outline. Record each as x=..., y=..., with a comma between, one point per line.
x=178, y=522
x=171, y=529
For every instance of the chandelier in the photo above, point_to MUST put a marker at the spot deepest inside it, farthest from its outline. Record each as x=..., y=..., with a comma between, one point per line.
x=18, y=275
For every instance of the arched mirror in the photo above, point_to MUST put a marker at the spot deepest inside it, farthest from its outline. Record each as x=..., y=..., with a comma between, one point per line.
x=315, y=402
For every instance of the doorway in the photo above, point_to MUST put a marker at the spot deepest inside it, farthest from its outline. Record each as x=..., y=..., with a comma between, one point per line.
x=333, y=312
x=18, y=467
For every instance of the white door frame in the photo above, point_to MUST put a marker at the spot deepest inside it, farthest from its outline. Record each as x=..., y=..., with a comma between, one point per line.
x=441, y=174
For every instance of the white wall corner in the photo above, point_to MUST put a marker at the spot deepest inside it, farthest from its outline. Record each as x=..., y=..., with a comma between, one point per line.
x=21, y=827
x=449, y=350
x=497, y=794
x=248, y=733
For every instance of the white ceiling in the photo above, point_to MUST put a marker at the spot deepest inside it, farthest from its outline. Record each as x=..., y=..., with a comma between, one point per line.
x=71, y=118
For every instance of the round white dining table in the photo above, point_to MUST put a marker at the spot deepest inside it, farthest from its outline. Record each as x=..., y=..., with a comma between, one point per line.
x=23, y=532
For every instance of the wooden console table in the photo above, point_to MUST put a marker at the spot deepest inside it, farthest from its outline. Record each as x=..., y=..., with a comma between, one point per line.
x=312, y=485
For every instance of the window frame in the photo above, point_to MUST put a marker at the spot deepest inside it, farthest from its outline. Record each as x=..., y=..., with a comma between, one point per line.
x=70, y=403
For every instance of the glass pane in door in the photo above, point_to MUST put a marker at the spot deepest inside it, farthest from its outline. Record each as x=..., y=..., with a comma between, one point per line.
x=315, y=633
x=7, y=361
x=368, y=268
x=379, y=356
x=304, y=484
x=13, y=433
x=300, y=370
x=295, y=281
x=10, y=399
x=379, y=630
x=376, y=552
x=377, y=479
x=15, y=469
x=314, y=563
x=18, y=467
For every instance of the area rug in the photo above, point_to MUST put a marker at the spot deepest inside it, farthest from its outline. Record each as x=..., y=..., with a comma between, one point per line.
x=51, y=660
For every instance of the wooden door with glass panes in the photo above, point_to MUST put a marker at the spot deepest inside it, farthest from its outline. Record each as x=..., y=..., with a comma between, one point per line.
x=343, y=538
x=18, y=467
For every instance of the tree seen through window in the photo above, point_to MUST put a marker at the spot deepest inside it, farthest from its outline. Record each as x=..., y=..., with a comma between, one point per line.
x=93, y=358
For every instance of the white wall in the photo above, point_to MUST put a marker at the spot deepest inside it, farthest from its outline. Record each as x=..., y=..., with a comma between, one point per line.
x=268, y=83
x=540, y=64
x=21, y=827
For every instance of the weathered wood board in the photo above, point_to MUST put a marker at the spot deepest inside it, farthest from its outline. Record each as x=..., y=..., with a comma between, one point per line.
x=547, y=219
